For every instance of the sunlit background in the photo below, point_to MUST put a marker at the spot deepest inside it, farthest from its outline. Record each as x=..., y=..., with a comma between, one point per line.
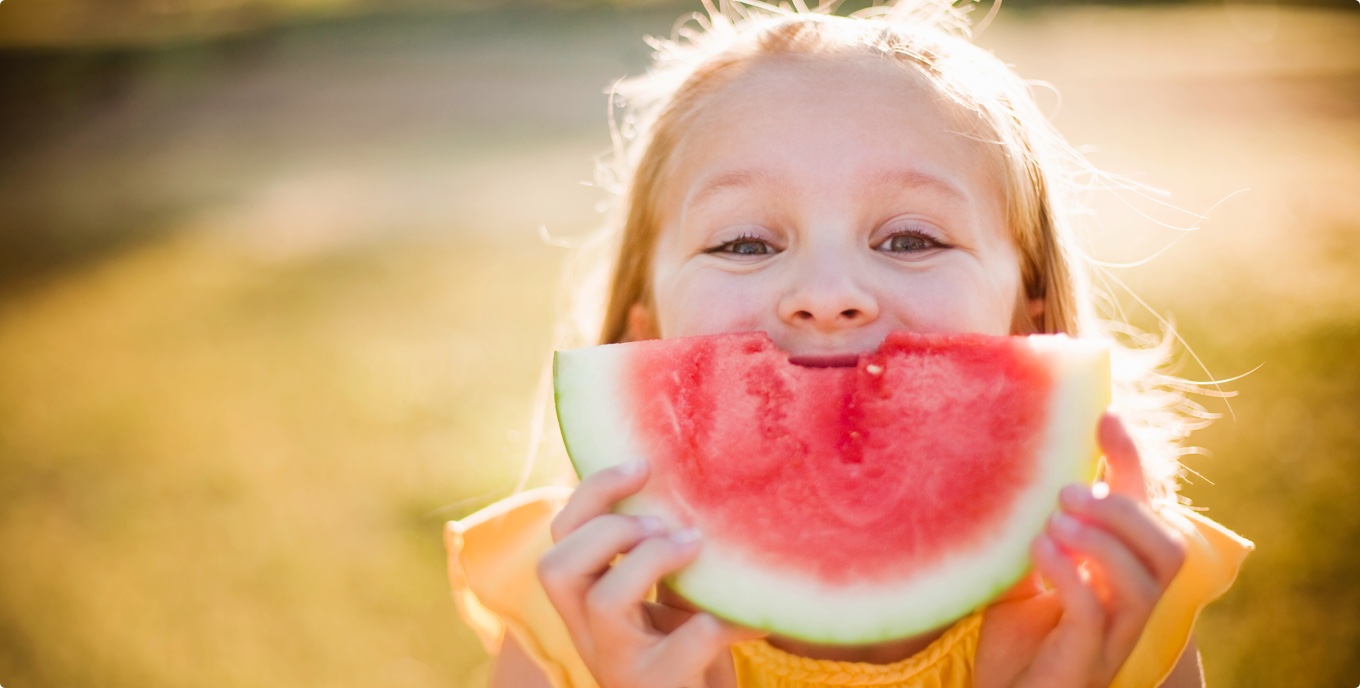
x=274, y=301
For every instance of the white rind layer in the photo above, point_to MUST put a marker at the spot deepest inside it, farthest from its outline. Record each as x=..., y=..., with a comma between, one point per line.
x=598, y=431
x=721, y=580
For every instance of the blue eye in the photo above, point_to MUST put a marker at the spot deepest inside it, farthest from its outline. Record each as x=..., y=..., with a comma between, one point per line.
x=744, y=246
x=748, y=247
x=909, y=242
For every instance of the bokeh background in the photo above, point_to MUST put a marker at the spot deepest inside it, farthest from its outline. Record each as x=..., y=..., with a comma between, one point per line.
x=274, y=303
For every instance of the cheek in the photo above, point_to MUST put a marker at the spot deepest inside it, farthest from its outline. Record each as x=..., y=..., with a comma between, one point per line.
x=996, y=298
x=1004, y=305
x=707, y=302
x=969, y=300
x=997, y=290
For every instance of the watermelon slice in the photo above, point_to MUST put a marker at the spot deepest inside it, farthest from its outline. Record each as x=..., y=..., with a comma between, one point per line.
x=843, y=501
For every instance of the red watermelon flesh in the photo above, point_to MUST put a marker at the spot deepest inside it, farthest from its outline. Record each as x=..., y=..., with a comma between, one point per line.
x=794, y=459
x=894, y=485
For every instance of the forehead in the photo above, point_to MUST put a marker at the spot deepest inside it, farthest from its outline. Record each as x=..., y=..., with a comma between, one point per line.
x=858, y=116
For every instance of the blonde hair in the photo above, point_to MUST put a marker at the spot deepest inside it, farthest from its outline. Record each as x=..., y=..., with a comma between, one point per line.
x=1040, y=173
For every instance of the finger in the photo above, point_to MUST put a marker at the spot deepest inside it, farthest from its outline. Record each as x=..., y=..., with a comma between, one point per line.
x=665, y=618
x=1072, y=649
x=614, y=604
x=1132, y=590
x=1081, y=606
x=597, y=495
x=569, y=569
x=694, y=645
x=587, y=551
x=1124, y=465
x=1160, y=548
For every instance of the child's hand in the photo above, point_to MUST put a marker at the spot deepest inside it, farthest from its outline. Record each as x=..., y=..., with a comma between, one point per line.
x=1110, y=559
x=603, y=605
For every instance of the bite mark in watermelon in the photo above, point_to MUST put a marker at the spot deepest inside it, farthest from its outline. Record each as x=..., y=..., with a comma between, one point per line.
x=843, y=504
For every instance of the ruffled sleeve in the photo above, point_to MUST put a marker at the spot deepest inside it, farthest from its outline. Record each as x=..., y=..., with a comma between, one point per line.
x=493, y=558
x=1213, y=556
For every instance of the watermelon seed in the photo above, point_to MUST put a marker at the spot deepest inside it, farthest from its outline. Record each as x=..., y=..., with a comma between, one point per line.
x=873, y=369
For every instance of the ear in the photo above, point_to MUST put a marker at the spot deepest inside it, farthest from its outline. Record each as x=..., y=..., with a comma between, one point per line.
x=640, y=324
x=1027, y=316
x=1035, y=309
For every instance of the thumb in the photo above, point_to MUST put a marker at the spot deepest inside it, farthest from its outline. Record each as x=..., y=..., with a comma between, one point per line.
x=692, y=646
x=1123, y=464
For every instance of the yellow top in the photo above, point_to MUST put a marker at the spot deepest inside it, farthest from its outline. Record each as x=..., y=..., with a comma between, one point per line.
x=493, y=554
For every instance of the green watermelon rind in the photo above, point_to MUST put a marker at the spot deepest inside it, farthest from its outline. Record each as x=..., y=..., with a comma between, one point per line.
x=723, y=582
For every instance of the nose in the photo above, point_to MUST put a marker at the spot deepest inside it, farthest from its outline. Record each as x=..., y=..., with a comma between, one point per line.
x=826, y=294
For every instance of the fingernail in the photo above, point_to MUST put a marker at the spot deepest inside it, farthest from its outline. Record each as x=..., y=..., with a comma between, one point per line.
x=1100, y=490
x=1075, y=495
x=652, y=525
x=1065, y=525
x=633, y=467
x=686, y=536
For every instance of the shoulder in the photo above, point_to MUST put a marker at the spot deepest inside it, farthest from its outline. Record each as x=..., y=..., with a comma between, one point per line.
x=493, y=556
x=1013, y=628
x=514, y=668
x=1213, y=556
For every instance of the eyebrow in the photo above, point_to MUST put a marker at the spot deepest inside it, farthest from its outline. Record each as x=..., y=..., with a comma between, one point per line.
x=915, y=179
x=896, y=178
x=729, y=180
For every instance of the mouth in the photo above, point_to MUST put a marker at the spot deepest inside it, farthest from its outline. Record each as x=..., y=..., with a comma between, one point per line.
x=826, y=360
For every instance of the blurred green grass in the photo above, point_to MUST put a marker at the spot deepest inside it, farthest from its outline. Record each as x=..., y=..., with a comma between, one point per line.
x=223, y=473
x=270, y=318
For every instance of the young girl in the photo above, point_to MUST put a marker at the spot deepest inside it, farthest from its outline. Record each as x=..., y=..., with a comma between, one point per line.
x=828, y=180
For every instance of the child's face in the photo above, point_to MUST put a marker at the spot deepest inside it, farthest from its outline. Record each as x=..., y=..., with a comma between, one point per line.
x=828, y=205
